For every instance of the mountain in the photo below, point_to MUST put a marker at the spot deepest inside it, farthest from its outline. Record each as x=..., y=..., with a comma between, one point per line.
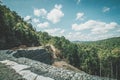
x=100, y=58
x=104, y=55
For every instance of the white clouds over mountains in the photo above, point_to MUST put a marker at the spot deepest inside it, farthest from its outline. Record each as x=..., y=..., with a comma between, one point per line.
x=54, y=15
x=43, y=25
x=52, y=31
x=96, y=27
x=46, y=20
x=55, y=31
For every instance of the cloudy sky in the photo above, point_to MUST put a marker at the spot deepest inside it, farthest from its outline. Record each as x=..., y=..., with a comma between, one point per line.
x=83, y=20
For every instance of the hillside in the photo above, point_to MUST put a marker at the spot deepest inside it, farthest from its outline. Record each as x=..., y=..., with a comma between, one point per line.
x=33, y=69
x=100, y=58
x=14, y=31
x=104, y=55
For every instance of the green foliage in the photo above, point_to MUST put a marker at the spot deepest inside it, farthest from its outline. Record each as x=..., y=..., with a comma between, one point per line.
x=101, y=57
x=14, y=31
x=44, y=37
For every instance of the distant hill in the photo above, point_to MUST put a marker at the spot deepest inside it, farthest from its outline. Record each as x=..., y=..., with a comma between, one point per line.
x=104, y=40
x=110, y=42
x=82, y=41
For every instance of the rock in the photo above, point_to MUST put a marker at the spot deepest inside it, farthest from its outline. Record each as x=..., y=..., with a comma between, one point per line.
x=27, y=74
x=7, y=73
x=35, y=69
x=39, y=55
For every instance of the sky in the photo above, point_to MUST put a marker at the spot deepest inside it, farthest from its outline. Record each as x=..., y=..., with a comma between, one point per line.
x=77, y=20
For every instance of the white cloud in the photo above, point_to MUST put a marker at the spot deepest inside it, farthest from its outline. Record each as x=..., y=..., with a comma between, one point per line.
x=79, y=16
x=51, y=31
x=35, y=20
x=55, y=14
x=74, y=36
x=118, y=30
x=96, y=27
x=58, y=6
x=55, y=31
x=106, y=9
x=27, y=18
x=40, y=12
x=78, y=1
x=104, y=28
x=62, y=31
x=77, y=36
x=43, y=25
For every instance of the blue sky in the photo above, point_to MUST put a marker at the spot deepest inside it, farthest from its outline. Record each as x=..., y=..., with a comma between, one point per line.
x=83, y=20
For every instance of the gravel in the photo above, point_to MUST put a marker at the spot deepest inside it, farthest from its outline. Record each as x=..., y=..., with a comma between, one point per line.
x=41, y=68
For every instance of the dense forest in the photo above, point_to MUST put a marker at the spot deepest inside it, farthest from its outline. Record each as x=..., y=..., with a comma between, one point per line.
x=14, y=31
x=100, y=58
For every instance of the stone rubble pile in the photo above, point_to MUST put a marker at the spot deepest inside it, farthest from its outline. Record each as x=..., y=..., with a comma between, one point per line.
x=21, y=69
x=42, y=70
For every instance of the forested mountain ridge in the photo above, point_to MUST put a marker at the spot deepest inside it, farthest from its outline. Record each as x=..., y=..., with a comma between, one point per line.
x=111, y=42
x=97, y=58
x=14, y=31
x=104, y=55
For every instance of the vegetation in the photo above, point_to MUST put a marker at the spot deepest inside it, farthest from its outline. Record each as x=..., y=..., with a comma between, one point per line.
x=98, y=58
x=14, y=31
x=101, y=57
